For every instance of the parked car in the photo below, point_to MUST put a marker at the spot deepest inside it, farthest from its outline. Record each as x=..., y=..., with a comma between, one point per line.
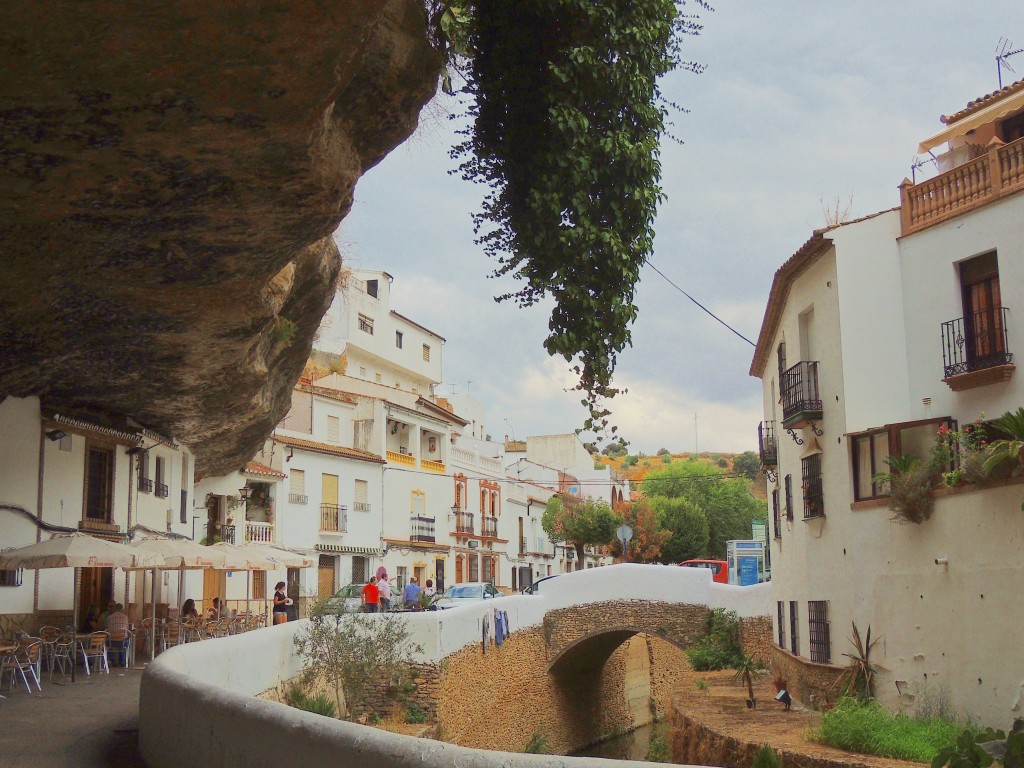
x=534, y=588
x=719, y=568
x=466, y=592
x=348, y=598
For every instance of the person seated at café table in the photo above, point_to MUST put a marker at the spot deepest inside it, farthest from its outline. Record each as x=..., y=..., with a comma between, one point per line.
x=118, y=620
x=220, y=609
x=90, y=622
x=188, y=610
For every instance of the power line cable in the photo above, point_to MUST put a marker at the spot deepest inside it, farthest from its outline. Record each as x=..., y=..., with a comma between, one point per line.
x=700, y=305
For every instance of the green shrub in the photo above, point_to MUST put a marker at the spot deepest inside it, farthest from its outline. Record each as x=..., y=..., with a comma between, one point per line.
x=414, y=713
x=658, y=749
x=870, y=729
x=320, y=704
x=766, y=758
x=720, y=648
x=537, y=745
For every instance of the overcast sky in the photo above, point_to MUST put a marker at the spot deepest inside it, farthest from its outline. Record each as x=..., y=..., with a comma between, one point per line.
x=801, y=102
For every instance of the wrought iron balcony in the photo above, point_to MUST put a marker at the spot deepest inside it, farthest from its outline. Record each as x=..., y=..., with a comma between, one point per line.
x=421, y=529
x=361, y=506
x=768, y=447
x=464, y=522
x=801, y=401
x=297, y=498
x=975, y=342
x=490, y=526
x=145, y=485
x=161, y=491
x=333, y=518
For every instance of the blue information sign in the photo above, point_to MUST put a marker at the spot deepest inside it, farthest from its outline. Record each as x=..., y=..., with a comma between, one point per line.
x=748, y=571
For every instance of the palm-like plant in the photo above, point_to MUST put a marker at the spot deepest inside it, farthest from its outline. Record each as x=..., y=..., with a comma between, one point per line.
x=747, y=670
x=858, y=680
x=1008, y=449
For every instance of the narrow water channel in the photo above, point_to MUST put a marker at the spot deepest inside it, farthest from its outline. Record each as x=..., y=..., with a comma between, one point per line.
x=629, y=746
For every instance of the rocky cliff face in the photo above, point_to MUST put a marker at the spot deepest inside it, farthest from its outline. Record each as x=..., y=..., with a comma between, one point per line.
x=170, y=176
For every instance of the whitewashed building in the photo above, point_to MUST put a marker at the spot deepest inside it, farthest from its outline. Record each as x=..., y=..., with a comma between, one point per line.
x=84, y=472
x=877, y=333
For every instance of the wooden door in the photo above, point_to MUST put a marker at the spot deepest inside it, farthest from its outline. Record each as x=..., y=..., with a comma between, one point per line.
x=212, y=587
x=97, y=588
x=325, y=577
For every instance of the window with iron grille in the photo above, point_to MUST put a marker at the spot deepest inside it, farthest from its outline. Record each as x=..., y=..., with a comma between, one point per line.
x=776, y=518
x=398, y=339
x=366, y=324
x=426, y=353
x=259, y=585
x=183, y=512
x=402, y=577
x=811, y=485
x=474, y=568
x=11, y=578
x=780, y=608
x=789, y=497
x=794, y=641
x=488, y=568
x=817, y=631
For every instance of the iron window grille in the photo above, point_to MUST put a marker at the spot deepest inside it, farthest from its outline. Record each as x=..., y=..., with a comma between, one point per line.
x=794, y=641
x=818, y=631
x=800, y=394
x=810, y=477
x=776, y=515
x=366, y=324
x=361, y=506
x=145, y=485
x=789, y=497
x=298, y=498
x=780, y=608
x=161, y=491
x=11, y=577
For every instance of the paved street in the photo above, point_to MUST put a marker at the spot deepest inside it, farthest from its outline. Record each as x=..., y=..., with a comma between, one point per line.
x=91, y=724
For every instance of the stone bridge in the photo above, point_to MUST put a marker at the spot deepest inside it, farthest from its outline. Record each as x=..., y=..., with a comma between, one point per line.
x=583, y=661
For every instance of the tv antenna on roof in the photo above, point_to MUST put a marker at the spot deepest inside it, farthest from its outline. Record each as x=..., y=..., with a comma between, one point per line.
x=1002, y=54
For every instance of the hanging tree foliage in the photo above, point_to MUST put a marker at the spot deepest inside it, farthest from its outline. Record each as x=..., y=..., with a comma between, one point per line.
x=566, y=122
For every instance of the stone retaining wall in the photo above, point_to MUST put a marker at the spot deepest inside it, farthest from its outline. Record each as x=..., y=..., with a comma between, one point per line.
x=756, y=637
x=813, y=684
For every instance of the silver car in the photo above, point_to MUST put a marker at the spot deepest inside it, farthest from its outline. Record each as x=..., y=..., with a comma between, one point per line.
x=466, y=592
x=349, y=599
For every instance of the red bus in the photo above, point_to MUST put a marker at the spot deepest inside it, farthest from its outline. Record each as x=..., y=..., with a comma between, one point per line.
x=719, y=568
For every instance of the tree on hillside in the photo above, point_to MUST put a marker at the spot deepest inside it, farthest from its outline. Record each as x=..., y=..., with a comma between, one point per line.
x=747, y=465
x=581, y=522
x=648, y=535
x=687, y=526
x=726, y=503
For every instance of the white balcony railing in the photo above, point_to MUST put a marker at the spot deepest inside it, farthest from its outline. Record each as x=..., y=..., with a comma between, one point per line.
x=261, y=533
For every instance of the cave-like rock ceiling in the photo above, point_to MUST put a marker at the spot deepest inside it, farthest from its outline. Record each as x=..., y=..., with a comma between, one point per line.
x=171, y=177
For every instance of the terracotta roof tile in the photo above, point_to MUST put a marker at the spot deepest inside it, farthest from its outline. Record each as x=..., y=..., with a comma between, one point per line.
x=255, y=468
x=333, y=450
x=983, y=101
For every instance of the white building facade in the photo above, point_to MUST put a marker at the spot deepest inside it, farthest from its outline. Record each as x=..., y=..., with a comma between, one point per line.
x=877, y=334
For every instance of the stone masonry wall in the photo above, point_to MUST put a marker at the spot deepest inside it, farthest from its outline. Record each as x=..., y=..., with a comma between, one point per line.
x=756, y=637
x=679, y=624
x=807, y=682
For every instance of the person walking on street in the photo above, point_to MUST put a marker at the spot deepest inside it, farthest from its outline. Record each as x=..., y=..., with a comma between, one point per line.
x=384, y=590
x=280, y=604
x=371, y=596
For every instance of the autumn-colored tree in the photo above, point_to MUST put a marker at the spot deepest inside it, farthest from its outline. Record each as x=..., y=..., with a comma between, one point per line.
x=648, y=535
x=580, y=522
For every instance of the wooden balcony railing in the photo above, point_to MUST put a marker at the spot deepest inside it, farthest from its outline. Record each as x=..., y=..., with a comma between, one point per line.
x=333, y=518
x=405, y=459
x=432, y=466
x=997, y=173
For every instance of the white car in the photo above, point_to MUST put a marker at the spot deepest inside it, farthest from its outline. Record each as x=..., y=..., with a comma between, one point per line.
x=349, y=599
x=466, y=592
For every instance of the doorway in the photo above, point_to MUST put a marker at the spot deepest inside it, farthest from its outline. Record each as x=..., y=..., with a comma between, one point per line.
x=96, y=589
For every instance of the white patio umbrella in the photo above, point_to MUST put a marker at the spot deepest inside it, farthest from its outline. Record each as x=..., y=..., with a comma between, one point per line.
x=179, y=555
x=76, y=550
x=282, y=557
x=245, y=557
